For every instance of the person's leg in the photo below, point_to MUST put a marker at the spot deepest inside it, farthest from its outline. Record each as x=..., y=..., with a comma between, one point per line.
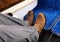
x=7, y=19
x=17, y=33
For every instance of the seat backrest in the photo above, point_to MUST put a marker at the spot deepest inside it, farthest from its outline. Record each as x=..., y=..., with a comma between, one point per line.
x=54, y=4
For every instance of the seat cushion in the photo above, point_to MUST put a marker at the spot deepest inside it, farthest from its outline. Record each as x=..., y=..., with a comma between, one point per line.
x=54, y=4
x=51, y=16
x=50, y=11
x=56, y=28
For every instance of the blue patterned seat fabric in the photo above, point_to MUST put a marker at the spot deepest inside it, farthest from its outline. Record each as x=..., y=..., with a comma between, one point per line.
x=56, y=28
x=50, y=8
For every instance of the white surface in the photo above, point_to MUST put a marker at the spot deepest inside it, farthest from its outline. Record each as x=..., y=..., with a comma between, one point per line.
x=22, y=12
x=21, y=9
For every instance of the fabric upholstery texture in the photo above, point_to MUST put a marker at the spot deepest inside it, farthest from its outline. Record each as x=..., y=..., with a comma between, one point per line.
x=51, y=10
x=56, y=28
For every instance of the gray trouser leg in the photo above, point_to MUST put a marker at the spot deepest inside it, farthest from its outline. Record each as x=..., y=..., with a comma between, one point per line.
x=11, y=31
x=8, y=20
x=18, y=33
